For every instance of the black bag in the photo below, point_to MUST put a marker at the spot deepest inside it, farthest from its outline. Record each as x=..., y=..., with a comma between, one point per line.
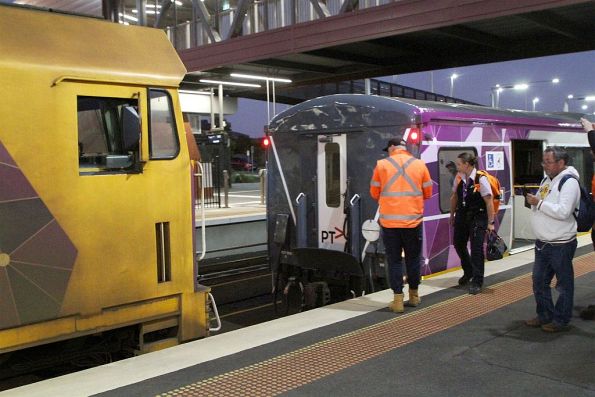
x=496, y=247
x=585, y=213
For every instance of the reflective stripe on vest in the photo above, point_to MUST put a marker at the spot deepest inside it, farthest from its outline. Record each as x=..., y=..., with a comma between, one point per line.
x=393, y=179
x=400, y=217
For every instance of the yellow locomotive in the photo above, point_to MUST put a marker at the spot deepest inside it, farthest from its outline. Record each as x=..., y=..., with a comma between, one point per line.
x=96, y=207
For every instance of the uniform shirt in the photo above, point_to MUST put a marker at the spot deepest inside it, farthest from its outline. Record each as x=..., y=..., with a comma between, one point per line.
x=484, y=185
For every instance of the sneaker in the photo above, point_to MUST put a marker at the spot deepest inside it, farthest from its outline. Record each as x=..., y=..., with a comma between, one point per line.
x=464, y=280
x=553, y=327
x=474, y=289
x=533, y=323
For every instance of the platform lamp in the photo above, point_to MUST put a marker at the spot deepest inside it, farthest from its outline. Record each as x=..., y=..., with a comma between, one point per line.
x=534, y=102
x=268, y=79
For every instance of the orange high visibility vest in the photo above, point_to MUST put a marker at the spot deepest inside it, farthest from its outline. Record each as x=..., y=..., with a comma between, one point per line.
x=401, y=183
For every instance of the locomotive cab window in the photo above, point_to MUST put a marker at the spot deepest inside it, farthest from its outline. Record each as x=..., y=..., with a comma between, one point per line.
x=108, y=135
x=163, y=138
x=332, y=154
x=447, y=172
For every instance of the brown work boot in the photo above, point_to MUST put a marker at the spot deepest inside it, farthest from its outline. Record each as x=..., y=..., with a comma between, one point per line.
x=413, y=298
x=553, y=327
x=397, y=304
x=533, y=323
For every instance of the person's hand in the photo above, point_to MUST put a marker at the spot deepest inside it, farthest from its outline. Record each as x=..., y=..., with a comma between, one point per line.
x=491, y=227
x=587, y=125
x=532, y=199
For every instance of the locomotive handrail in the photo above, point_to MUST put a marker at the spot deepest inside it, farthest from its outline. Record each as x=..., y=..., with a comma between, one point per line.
x=214, y=305
x=202, y=213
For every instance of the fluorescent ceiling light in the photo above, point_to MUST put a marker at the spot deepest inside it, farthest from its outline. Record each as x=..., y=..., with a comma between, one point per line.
x=255, y=77
x=129, y=17
x=194, y=92
x=229, y=83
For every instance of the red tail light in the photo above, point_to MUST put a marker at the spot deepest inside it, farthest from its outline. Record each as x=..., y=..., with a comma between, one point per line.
x=413, y=135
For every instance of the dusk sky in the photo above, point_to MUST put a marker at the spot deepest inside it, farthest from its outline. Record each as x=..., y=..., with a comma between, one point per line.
x=575, y=71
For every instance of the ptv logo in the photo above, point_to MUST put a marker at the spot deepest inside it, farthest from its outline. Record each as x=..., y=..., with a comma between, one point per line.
x=331, y=235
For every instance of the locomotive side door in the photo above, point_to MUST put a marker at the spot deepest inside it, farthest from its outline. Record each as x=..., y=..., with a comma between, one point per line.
x=332, y=184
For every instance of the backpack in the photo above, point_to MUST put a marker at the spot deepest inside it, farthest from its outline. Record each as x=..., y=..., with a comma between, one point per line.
x=494, y=184
x=585, y=213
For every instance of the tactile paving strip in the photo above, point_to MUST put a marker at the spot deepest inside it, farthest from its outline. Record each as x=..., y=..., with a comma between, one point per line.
x=303, y=366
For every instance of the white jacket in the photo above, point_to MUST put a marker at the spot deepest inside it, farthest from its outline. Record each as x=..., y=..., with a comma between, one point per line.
x=553, y=218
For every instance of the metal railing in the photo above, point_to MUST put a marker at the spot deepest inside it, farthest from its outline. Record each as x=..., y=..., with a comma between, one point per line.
x=259, y=16
x=210, y=179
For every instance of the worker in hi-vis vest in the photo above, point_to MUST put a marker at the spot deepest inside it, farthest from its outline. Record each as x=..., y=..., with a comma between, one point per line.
x=400, y=184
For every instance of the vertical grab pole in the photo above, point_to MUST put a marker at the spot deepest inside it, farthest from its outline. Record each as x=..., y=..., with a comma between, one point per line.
x=354, y=227
x=302, y=220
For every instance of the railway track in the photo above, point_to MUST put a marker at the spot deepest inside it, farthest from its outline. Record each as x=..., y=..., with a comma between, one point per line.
x=242, y=289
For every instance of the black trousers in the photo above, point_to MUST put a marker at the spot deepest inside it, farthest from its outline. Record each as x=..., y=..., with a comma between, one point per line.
x=471, y=229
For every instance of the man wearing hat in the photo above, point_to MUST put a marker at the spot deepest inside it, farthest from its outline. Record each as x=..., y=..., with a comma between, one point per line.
x=400, y=184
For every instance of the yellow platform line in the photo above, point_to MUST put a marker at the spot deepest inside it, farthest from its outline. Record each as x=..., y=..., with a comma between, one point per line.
x=300, y=367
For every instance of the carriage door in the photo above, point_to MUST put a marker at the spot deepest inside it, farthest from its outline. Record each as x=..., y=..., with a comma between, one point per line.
x=527, y=174
x=332, y=176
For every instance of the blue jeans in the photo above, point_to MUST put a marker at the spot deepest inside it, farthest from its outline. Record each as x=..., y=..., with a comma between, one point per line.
x=550, y=260
x=395, y=241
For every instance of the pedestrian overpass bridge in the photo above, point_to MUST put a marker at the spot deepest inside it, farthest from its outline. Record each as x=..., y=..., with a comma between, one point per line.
x=313, y=42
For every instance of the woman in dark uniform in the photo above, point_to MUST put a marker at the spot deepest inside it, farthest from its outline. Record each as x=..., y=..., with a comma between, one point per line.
x=471, y=214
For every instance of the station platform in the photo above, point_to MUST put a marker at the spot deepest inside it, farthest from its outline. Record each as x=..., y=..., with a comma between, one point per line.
x=239, y=229
x=453, y=344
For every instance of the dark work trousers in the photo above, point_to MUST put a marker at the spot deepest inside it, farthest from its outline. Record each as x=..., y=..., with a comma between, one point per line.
x=397, y=240
x=471, y=229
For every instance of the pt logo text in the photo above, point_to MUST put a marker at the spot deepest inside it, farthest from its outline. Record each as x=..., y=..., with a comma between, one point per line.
x=332, y=235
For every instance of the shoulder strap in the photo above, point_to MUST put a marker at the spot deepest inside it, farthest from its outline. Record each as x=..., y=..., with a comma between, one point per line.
x=480, y=173
x=564, y=179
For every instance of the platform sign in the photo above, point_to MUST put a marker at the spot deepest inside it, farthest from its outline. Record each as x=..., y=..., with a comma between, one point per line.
x=494, y=161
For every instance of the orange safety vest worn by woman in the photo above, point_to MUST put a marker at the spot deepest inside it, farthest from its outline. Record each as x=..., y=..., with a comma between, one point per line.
x=400, y=184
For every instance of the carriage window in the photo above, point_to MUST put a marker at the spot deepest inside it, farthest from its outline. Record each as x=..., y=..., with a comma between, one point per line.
x=108, y=134
x=163, y=138
x=447, y=172
x=332, y=167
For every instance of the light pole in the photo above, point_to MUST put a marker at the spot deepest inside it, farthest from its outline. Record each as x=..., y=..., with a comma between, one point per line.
x=535, y=101
x=498, y=88
x=452, y=83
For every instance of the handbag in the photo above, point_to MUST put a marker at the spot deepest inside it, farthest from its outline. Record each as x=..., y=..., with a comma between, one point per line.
x=496, y=247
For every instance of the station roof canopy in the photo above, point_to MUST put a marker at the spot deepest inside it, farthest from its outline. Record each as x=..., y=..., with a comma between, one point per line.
x=401, y=37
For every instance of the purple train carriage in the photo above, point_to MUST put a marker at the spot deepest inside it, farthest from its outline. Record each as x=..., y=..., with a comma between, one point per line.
x=323, y=238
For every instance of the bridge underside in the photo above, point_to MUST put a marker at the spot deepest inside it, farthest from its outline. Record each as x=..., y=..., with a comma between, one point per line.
x=401, y=37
